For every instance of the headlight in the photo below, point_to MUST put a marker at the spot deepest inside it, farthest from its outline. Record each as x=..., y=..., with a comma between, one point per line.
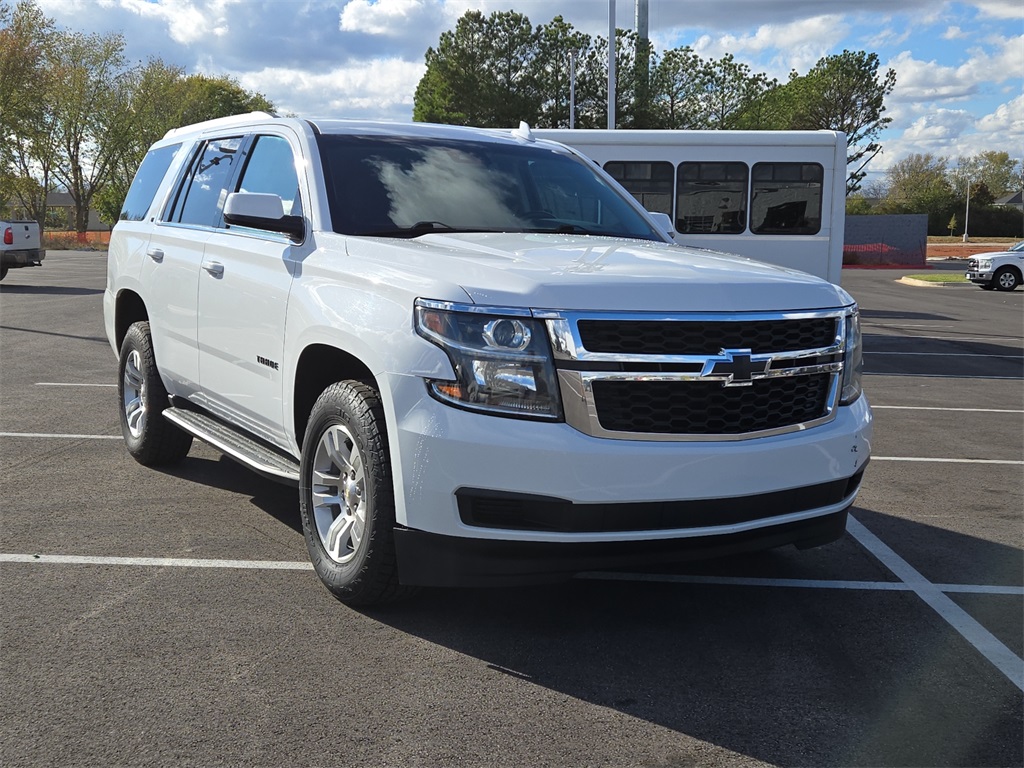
x=502, y=361
x=984, y=265
x=853, y=360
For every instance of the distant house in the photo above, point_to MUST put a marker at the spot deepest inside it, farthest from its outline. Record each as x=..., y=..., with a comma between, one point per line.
x=61, y=212
x=1011, y=201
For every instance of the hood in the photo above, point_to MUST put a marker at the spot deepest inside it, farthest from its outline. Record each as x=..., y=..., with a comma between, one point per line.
x=573, y=272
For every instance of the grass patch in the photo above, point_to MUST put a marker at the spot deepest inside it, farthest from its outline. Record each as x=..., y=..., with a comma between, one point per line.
x=940, y=277
x=959, y=240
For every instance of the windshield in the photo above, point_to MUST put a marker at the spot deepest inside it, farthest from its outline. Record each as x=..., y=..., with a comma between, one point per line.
x=1018, y=247
x=406, y=187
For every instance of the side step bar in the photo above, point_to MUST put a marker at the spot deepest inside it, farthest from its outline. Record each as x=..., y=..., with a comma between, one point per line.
x=236, y=444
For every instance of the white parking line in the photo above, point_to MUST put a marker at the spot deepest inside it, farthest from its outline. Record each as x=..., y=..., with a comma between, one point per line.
x=946, y=338
x=60, y=436
x=66, y=384
x=936, y=408
x=946, y=461
x=940, y=354
x=160, y=562
x=943, y=376
x=1005, y=660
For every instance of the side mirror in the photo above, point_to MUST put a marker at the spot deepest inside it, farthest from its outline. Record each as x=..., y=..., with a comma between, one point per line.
x=259, y=210
x=663, y=221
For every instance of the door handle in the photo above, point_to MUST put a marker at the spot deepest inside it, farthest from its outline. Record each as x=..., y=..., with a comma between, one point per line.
x=215, y=268
x=155, y=254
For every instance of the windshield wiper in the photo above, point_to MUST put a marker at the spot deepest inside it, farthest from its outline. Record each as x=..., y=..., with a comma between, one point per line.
x=562, y=229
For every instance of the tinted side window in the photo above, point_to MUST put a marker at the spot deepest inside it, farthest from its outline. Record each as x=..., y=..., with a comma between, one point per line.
x=271, y=169
x=649, y=183
x=711, y=198
x=786, y=199
x=147, y=181
x=201, y=198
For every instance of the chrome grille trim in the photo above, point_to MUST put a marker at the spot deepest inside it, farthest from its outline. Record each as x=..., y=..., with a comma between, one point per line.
x=577, y=385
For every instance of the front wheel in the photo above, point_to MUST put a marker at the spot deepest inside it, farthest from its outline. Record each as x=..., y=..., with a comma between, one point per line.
x=150, y=439
x=346, y=497
x=1006, y=279
x=3, y=272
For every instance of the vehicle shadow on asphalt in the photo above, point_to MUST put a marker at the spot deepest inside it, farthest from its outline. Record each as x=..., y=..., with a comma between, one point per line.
x=884, y=314
x=98, y=339
x=278, y=500
x=791, y=676
x=51, y=290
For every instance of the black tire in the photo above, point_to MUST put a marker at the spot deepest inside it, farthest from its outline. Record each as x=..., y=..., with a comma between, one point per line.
x=149, y=437
x=1006, y=279
x=348, y=517
x=987, y=286
x=3, y=272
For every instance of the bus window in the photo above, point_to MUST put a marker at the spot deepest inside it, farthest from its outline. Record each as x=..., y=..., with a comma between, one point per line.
x=649, y=183
x=711, y=198
x=786, y=199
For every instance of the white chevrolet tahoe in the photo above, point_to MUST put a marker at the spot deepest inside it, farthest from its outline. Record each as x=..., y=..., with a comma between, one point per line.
x=477, y=357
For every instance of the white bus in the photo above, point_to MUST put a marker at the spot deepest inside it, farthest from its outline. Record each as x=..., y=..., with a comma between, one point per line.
x=774, y=196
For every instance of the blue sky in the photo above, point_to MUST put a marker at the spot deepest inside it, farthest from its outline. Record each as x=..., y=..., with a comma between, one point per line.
x=959, y=65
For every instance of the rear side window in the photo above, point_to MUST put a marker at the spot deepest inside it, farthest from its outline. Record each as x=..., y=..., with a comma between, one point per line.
x=202, y=196
x=147, y=181
x=711, y=198
x=787, y=199
x=650, y=183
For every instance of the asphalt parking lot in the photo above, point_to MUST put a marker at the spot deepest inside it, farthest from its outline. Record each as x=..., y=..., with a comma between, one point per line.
x=170, y=617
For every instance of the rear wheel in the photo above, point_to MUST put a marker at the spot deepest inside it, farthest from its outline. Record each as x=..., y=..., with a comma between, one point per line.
x=346, y=496
x=3, y=272
x=1006, y=279
x=149, y=437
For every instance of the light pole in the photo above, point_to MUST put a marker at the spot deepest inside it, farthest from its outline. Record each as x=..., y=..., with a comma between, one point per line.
x=572, y=89
x=611, y=65
x=967, y=213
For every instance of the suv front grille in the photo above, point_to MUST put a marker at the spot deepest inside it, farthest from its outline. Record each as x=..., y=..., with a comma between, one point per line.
x=708, y=408
x=704, y=376
x=654, y=337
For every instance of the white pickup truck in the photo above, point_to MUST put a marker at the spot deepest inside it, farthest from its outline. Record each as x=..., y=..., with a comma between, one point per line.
x=997, y=270
x=478, y=358
x=19, y=246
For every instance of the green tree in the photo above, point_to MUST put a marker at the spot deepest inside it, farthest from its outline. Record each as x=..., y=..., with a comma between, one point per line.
x=677, y=88
x=731, y=92
x=997, y=171
x=843, y=92
x=557, y=42
x=481, y=73
x=26, y=46
x=953, y=224
x=918, y=184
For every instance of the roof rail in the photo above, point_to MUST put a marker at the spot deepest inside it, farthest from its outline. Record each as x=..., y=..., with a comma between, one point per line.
x=221, y=122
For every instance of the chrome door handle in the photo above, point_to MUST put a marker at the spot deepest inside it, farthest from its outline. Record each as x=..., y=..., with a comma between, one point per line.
x=155, y=254
x=215, y=268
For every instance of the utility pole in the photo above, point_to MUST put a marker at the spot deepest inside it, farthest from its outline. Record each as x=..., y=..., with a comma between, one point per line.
x=611, y=65
x=642, y=72
x=572, y=89
x=967, y=213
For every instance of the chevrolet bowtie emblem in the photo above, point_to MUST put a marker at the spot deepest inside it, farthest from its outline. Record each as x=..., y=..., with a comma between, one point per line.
x=734, y=367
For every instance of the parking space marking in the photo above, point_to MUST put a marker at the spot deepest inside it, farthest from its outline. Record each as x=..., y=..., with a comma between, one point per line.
x=161, y=562
x=64, y=437
x=68, y=384
x=748, y=581
x=948, y=338
x=942, y=354
x=1005, y=660
x=937, y=408
x=671, y=578
x=1013, y=462
x=943, y=376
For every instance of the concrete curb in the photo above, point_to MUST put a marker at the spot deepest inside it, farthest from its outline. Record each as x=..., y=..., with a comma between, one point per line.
x=928, y=284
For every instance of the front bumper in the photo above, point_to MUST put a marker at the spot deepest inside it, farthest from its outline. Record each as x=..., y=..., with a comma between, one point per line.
x=979, y=277
x=439, y=453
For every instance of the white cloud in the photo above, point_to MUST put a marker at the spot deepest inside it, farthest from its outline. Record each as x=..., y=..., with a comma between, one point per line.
x=383, y=17
x=1000, y=9
x=379, y=88
x=953, y=33
x=889, y=37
